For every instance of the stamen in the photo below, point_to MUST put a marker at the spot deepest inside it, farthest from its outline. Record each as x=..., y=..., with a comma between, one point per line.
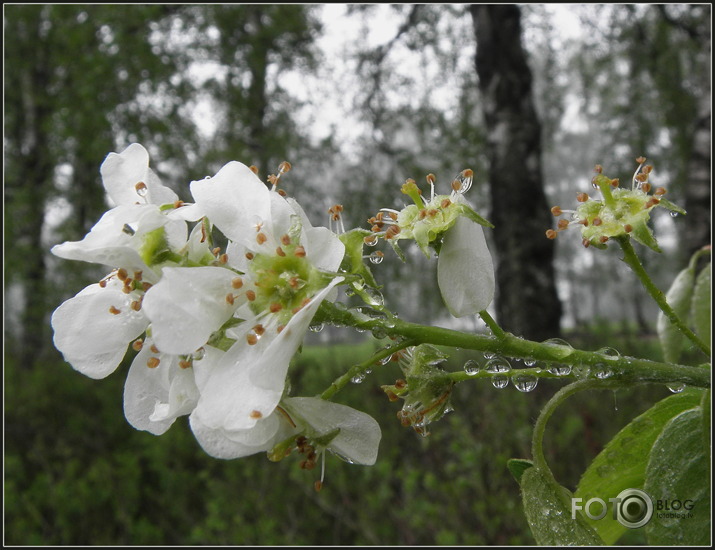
x=253, y=168
x=284, y=167
x=252, y=339
x=230, y=298
x=556, y=210
x=603, y=239
x=138, y=344
x=136, y=305
x=597, y=221
x=223, y=258
x=275, y=308
x=261, y=238
x=259, y=330
x=550, y=234
x=141, y=189
x=445, y=203
x=285, y=239
x=137, y=275
x=237, y=282
x=122, y=274
x=250, y=295
x=628, y=228
x=562, y=224
x=185, y=364
x=659, y=191
x=582, y=197
x=178, y=204
x=280, y=252
x=154, y=349
x=431, y=179
x=249, y=255
x=299, y=252
x=114, y=311
x=256, y=414
x=216, y=251
x=646, y=187
x=153, y=362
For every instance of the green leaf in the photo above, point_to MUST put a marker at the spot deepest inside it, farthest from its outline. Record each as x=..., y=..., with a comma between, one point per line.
x=517, y=467
x=672, y=207
x=547, y=506
x=679, y=469
x=643, y=234
x=679, y=297
x=622, y=463
x=700, y=307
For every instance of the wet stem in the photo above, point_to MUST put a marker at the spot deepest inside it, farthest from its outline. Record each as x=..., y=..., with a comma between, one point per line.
x=631, y=259
x=627, y=371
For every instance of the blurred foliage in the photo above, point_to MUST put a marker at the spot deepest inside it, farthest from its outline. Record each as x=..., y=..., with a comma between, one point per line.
x=76, y=473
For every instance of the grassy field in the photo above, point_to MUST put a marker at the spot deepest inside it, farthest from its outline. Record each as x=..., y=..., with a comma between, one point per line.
x=77, y=474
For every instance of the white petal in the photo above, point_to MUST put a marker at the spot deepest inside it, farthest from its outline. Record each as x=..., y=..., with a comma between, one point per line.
x=465, y=272
x=187, y=305
x=122, y=171
x=234, y=200
x=92, y=339
x=323, y=248
x=155, y=397
x=359, y=436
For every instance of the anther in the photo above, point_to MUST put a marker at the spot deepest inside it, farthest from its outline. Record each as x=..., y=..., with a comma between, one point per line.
x=230, y=298
x=628, y=228
x=642, y=177
x=138, y=344
x=137, y=275
x=256, y=414
x=596, y=221
x=146, y=286
x=456, y=185
x=154, y=349
x=659, y=191
x=216, y=251
x=261, y=238
x=114, y=311
x=252, y=339
x=275, y=308
x=249, y=255
x=282, y=193
x=223, y=258
x=153, y=362
x=598, y=168
x=400, y=383
x=603, y=239
x=318, y=485
x=586, y=243
x=103, y=283
x=285, y=239
x=562, y=224
x=445, y=203
x=237, y=282
x=369, y=240
x=250, y=295
x=259, y=330
x=280, y=252
x=615, y=182
x=582, y=197
x=122, y=274
x=641, y=160
x=284, y=167
x=141, y=188
x=178, y=204
x=136, y=305
x=556, y=210
x=550, y=234
x=652, y=202
x=253, y=168
x=185, y=364
x=646, y=187
x=647, y=169
x=299, y=252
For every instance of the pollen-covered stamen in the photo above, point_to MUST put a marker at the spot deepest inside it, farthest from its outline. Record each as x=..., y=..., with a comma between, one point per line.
x=259, y=329
x=275, y=307
x=250, y=295
x=141, y=189
x=335, y=216
x=153, y=362
x=551, y=234
x=250, y=255
x=635, y=184
x=280, y=252
x=252, y=339
x=230, y=298
x=659, y=191
x=562, y=224
x=256, y=414
x=581, y=197
x=216, y=251
x=138, y=344
x=261, y=238
x=431, y=180
x=136, y=305
x=628, y=228
x=285, y=240
x=237, y=283
x=223, y=259
x=299, y=252
x=186, y=363
x=114, y=311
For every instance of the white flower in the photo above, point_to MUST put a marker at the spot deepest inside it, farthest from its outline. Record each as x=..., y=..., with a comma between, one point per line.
x=465, y=271
x=93, y=329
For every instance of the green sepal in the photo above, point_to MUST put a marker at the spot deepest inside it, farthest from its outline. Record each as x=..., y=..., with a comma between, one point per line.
x=354, y=240
x=466, y=211
x=643, y=234
x=665, y=203
x=517, y=467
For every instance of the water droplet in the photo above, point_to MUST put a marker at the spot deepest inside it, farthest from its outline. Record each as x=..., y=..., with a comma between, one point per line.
x=581, y=371
x=559, y=369
x=358, y=378
x=317, y=327
x=374, y=297
x=530, y=362
x=379, y=333
x=561, y=348
x=500, y=381
x=498, y=365
x=673, y=214
x=376, y=258
x=525, y=382
x=349, y=292
x=471, y=367
x=372, y=242
x=676, y=387
x=609, y=352
x=489, y=355
x=602, y=371
x=385, y=360
x=199, y=354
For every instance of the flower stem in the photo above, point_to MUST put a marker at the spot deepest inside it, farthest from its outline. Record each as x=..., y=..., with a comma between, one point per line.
x=492, y=324
x=624, y=369
x=631, y=259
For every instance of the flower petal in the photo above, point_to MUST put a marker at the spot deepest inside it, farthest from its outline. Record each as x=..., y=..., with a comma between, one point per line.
x=465, y=272
x=359, y=436
x=235, y=200
x=324, y=249
x=121, y=172
x=187, y=305
x=92, y=339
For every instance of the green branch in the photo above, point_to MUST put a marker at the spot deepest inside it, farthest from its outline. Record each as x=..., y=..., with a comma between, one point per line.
x=631, y=259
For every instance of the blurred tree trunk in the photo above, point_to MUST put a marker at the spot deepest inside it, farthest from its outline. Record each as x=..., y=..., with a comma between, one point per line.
x=527, y=303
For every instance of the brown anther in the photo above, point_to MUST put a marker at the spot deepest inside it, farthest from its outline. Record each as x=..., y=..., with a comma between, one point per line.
x=583, y=222
x=237, y=282
x=642, y=177
x=114, y=311
x=280, y=328
x=467, y=173
x=294, y=282
x=586, y=243
x=140, y=187
x=370, y=239
x=154, y=349
x=603, y=239
x=445, y=203
x=299, y=252
x=275, y=308
x=318, y=485
x=203, y=233
x=253, y=168
x=284, y=167
x=598, y=168
x=285, y=239
x=431, y=179
x=596, y=221
x=185, y=364
x=261, y=238
x=659, y=191
x=582, y=197
x=640, y=160
x=280, y=252
x=456, y=185
x=216, y=251
x=375, y=229
x=628, y=228
x=103, y=283
x=122, y=274
x=138, y=344
x=432, y=212
x=391, y=396
x=128, y=287
x=646, y=187
x=338, y=208
x=652, y=202
x=223, y=258
x=137, y=275
x=256, y=414
x=249, y=255
x=259, y=329
x=423, y=214
x=615, y=182
x=136, y=305
x=230, y=298
x=252, y=339
x=393, y=215
x=551, y=234
x=400, y=383
x=178, y=204
x=273, y=179
x=556, y=210
x=146, y=286
x=647, y=169
x=562, y=224
x=153, y=362
x=335, y=217
x=282, y=193
x=250, y=295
